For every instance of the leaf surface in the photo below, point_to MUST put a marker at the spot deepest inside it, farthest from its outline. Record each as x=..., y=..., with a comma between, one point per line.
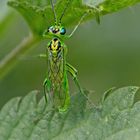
x=118, y=118
x=39, y=15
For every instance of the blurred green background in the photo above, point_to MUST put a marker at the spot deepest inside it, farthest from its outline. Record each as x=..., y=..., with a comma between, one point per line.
x=106, y=55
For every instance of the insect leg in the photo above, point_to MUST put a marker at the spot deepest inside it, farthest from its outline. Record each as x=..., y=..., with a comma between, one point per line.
x=42, y=55
x=73, y=72
x=46, y=85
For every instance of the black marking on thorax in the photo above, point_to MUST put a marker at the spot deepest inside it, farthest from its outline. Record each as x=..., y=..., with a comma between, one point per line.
x=55, y=48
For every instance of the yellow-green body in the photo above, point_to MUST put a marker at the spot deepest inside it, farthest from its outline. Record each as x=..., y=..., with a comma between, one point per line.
x=58, y=87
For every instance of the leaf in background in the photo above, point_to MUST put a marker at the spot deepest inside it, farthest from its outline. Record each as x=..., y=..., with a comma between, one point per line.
x=117, y=119
x=6, y=16
x=3, y=9
x=39, y=15
x=110, y=6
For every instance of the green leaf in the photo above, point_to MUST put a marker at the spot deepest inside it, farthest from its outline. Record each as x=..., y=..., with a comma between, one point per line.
x=39, y=15
x=109, y=6
x=3, y=9
x=117, y=119
x=6, y=16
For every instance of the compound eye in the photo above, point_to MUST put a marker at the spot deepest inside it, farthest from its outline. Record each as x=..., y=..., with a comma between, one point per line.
x=50, y=29
x=62, y=31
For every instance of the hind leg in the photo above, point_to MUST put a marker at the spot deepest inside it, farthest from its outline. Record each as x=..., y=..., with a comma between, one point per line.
x=73, y=72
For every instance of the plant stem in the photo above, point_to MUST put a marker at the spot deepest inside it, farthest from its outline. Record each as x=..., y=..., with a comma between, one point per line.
x=10, y=59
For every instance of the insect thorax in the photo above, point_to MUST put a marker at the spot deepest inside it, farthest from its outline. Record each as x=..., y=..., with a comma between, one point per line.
x=55, y=48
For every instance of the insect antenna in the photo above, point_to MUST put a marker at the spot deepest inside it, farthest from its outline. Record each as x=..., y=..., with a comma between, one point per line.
x=66, y=7
x=55, y=17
